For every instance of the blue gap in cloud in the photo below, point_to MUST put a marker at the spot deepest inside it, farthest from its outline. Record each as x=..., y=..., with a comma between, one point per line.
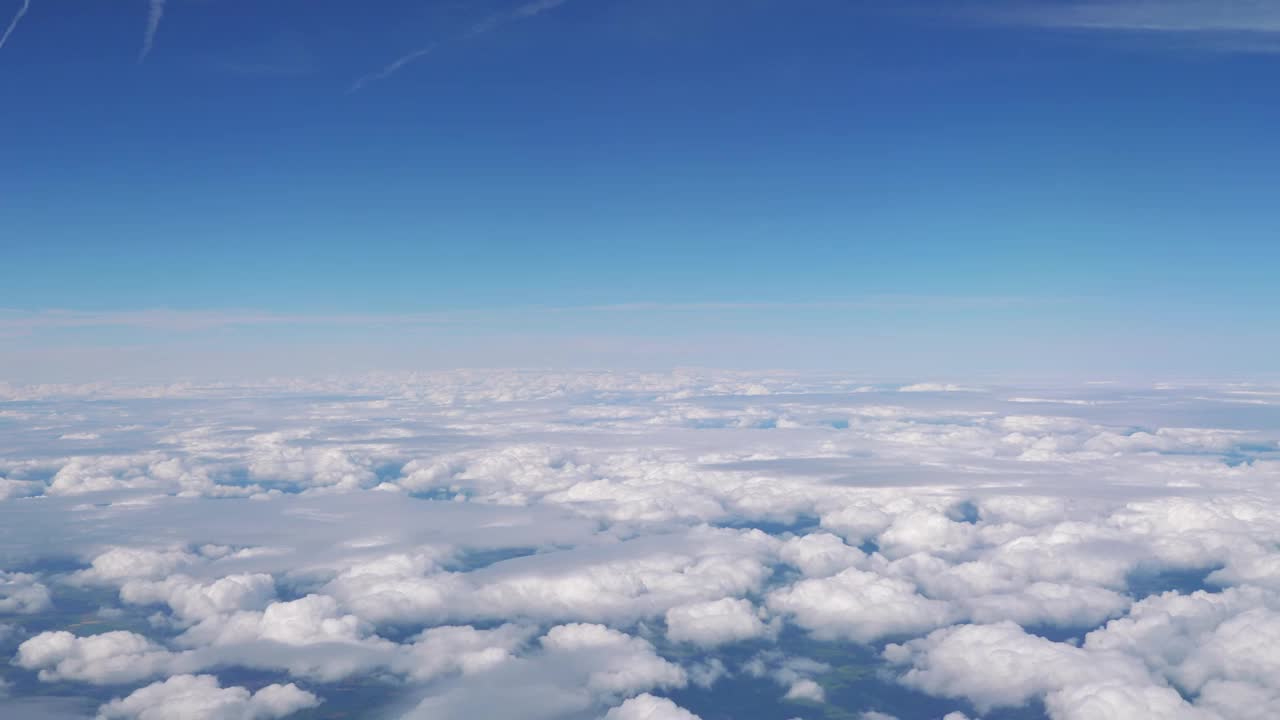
x=1145, y=582
x=858, y=680
x=801, y=525
x=474, y=559
x=369, y=696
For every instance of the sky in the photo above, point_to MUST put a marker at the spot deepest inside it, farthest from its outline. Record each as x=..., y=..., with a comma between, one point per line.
x=204, y=187
x=639, y=360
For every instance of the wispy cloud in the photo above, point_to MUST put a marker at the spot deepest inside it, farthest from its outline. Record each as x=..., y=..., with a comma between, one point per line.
x=154, y=13
x=1174, y=16
x=14, y=321
x=187, y=320
x=522, y=12
x=26, y=5
x=1224, y=26
x=393, y=67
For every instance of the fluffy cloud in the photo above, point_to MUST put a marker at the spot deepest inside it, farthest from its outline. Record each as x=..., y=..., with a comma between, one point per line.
x=123, y=563
x=571, y=670
x=715, y=622
x=648, y=707
x=860, y=606
x=109, y=658
x=631, y=580
x=279, y=458
x=819, y=554
x=464, y=649
x=807, y=690
x=1001, y=665
x=200, y=697
x=543, y=545
x=1118, y=700
x=618, y=662
x=193, y=601
x=21, y=593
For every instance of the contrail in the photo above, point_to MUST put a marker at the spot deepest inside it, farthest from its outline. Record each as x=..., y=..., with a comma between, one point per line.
x=522, y=12
x=153, y=24
x=388, y=70
x=26, y=5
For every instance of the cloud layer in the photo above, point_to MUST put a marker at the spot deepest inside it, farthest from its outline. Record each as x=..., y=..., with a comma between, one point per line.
x=623, y=545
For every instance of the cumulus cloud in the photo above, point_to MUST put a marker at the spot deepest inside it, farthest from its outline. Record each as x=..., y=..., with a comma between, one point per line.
x=200, y=697
x=21, y=593
x=819, y=554
x=860, y=606
x=1001, y=665
x=545, y=545
x=617, y=662
x=441, y=650
x=715, y=622
x=648, y=707
x=192, y=601
x=110, y=658
x=805, y=689
x=124, y=563
x=571, y=669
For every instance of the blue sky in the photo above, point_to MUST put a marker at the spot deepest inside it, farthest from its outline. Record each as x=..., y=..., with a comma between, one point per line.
x=1004, y=184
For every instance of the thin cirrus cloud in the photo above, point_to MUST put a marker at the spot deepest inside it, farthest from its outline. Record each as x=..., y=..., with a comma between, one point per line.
x=182, y=320
x=13, y=24
x=1145, y=15
x=1243, y=26
x=525, y=11
x=12, y=320
x=155, y=12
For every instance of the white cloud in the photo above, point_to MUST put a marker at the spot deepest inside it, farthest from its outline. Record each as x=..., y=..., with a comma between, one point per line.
x=632, y=580
x=464, y=649
x=648, y=707
x=1119, y=700
x=109, y=658
x=577, y=669
x=715, y=622
x=193, y=601
x=21, y=593
x=933, y=387
x=806, y=690
x=819, y=554
x=200, y=697
x=155, y=11
x=124, y=563
x=926, y=531
x=526, y=10
x=617, y=663
x=521, y=544
x=860, y=606
x=13, y=24
x=1176, y=16
x=1245, y=26
x=1001, y=665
